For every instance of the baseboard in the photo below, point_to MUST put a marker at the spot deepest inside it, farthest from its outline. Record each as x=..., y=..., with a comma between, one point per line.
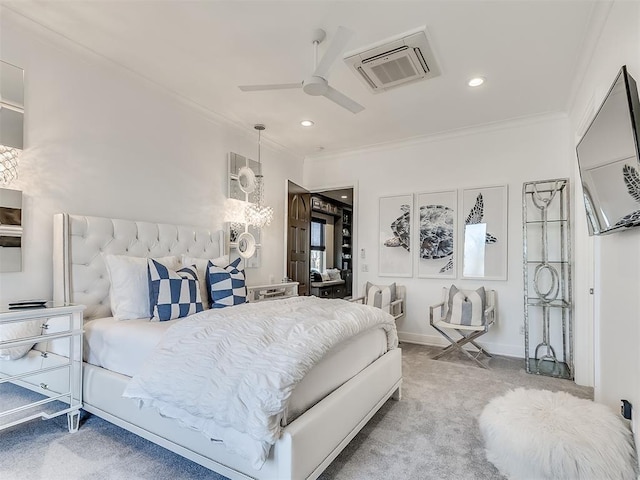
x=515, y=351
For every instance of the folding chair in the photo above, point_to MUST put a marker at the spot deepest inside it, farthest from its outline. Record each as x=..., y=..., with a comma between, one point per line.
x=469, y=316
x=396, y=306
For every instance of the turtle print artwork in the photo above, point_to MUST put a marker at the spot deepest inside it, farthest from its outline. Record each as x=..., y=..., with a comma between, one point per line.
x=484, y=233
x=395, y=236
x=436, y=225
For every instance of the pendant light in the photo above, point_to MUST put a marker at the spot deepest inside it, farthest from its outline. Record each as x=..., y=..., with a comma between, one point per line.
x=258, y=214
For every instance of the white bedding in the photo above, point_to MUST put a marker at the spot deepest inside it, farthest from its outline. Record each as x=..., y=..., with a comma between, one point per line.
x=123, y=346
x=229, y=373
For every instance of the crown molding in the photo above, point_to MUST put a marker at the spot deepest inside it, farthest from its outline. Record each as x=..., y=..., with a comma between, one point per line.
x=442, y=136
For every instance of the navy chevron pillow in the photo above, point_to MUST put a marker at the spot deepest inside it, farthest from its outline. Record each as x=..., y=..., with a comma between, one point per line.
x=226, y=285
x=172, y=294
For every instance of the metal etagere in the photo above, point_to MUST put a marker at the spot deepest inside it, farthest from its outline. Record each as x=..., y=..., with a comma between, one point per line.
x=548, y=305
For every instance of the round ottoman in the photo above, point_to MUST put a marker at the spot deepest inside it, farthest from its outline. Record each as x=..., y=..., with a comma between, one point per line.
x=538, y=434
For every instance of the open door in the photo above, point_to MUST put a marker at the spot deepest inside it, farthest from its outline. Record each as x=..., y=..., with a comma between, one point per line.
x=298, y=229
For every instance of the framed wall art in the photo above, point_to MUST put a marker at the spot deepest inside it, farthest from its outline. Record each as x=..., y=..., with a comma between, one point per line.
x=483, y=233
x=435, y=224
x=395, y=236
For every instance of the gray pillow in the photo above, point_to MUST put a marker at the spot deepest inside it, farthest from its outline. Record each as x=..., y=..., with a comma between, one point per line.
x=466, y=309
x=380, y=296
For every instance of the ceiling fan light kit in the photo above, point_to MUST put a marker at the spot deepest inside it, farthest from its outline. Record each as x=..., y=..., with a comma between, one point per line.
x=316, y=84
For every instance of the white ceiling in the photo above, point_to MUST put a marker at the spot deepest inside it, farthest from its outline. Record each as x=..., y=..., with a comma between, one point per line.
x=528, y=50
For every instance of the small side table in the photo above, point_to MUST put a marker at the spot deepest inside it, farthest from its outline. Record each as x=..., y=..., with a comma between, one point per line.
x=259, y=293
x=57, y=377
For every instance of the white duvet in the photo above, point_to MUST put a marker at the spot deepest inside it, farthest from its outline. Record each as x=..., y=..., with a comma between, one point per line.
x=229, y=372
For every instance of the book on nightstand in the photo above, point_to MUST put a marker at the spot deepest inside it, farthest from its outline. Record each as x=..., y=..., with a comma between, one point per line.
x=28, y=304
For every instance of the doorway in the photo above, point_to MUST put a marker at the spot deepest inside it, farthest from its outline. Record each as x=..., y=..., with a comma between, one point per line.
x=332, y=245
x=320, y=240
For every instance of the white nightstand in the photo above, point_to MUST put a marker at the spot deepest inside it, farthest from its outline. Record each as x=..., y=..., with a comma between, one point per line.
x=53, y=368
x=259, y=293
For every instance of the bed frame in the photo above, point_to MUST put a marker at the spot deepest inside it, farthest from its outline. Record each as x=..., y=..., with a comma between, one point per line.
x=307, y=445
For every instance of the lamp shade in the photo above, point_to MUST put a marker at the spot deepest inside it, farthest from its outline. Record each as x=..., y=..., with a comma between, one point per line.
x=234, y=210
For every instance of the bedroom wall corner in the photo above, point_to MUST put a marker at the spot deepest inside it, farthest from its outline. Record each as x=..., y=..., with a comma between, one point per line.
x=511, y=153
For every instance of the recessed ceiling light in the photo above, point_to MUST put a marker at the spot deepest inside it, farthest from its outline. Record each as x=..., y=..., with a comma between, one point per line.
x=343, y=196
x=475, y=82
x=306, y=123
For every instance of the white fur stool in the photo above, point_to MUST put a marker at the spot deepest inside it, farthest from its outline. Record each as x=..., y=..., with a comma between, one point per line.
x=538, y=434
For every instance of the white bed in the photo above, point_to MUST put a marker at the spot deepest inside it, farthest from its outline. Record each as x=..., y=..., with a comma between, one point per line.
x=307, y=444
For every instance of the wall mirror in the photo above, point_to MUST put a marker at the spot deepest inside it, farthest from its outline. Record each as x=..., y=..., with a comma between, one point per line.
x=10, y=230
x=11, y=120
x=244, y=240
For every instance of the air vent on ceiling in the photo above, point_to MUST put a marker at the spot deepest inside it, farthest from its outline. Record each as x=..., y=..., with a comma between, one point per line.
x=395, y=61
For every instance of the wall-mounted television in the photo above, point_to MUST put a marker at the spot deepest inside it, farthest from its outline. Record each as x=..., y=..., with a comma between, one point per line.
x=609, y=162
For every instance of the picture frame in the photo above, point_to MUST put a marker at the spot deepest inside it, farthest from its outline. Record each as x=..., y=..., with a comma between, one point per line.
x=436, y=230
x=395, y=231
x=483, y=233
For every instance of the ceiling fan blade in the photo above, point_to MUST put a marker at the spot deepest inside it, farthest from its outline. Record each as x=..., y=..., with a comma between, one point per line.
x=342, y=36
x=342, y=100
x=275, y=86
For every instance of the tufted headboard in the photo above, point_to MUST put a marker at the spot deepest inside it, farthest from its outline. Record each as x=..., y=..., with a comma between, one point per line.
x=79, y=272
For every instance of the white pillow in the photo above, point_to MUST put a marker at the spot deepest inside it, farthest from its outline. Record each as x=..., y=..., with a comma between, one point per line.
x=14, y=331
x=334, y=274
x=129, y=292
x=201, y=266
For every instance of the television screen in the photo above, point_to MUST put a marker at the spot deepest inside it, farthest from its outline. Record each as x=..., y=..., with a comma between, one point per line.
x=608, y=160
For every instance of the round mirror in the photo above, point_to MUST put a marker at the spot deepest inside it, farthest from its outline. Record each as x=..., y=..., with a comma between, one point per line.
x=246, y=180
x=246, y=245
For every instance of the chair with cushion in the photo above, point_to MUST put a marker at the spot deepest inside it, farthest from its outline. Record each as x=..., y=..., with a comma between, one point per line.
x=390, y=298
x=470, y=313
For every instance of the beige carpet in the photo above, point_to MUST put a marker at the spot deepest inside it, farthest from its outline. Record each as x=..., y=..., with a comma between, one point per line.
x=432, y=433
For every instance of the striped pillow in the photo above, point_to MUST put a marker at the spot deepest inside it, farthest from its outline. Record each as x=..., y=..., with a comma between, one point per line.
x=466, y=308
x=226, y=285
x=380, y=296
x=172, y=294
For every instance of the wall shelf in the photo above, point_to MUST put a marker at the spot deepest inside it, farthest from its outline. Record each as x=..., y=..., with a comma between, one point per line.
x=548, y=322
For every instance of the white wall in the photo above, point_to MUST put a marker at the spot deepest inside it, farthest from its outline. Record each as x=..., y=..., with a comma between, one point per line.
x=616, y=257
x=536, y=149
x=102, y=141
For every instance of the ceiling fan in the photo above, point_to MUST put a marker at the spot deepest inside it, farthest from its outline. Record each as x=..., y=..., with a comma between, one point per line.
x=317, y=84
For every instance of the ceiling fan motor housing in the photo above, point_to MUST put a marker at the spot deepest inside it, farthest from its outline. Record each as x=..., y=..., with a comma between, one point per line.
x=315, y=86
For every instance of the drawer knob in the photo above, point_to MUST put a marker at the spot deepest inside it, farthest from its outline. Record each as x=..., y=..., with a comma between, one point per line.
x=44, y=386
